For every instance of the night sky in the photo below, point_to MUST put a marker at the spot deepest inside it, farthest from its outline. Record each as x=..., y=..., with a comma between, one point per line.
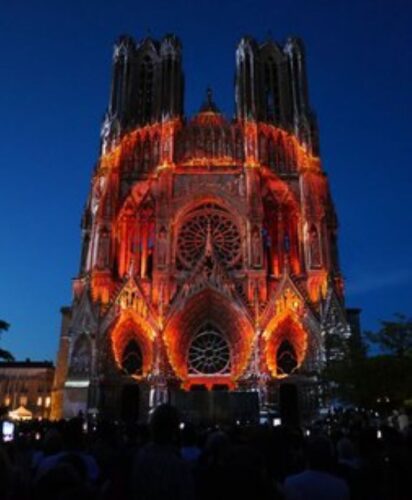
x=55, y=69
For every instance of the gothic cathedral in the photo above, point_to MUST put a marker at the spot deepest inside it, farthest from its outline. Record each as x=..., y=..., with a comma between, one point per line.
x=209, y=254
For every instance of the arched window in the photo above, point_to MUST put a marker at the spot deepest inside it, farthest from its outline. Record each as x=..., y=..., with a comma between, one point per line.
x=132, y=359
x=286, y=360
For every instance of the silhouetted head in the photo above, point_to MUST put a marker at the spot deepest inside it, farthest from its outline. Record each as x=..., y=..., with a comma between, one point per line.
x=52, y=442
x=73, y=433
x=61, y=481
x=164, y=424
x=320, y=453
x=345, y=449
x=6, y=472
x=189, y=435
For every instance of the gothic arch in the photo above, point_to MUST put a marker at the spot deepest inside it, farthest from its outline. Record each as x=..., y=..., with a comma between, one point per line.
x=202, y=194
x=286, y=359
x=280, y=331
x=208, y=307
x=132, y=329
x=132, y=358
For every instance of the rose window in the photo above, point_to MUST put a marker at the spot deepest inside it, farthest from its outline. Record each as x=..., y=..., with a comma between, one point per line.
x=209, y=353
x=209, y=224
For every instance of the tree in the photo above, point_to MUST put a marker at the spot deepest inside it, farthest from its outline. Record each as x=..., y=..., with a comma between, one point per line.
x=394, y=337
x=343, y=372
x=6, y=355
x=365, y=380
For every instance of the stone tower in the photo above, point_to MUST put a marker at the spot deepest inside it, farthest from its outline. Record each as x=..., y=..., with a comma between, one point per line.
x=209, y=254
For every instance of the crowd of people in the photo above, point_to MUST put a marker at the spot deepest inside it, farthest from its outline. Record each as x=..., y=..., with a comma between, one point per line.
x=344, y=456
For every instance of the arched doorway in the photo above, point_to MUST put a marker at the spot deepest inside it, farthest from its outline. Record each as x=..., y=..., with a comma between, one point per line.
x=209, y=340
x=289, y=404
x=132, y=365
x=286, y=360
x=132, y=359
x=286, y=346
x=130, y=402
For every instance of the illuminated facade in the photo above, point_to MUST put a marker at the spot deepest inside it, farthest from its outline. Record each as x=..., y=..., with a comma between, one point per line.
x=27, y=384
x=209, y=246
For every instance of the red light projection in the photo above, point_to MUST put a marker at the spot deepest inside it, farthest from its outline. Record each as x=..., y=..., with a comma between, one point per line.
x=208, y=309
x=131, y=327
x=140, y=244
x=287, y=326
x=209, y=245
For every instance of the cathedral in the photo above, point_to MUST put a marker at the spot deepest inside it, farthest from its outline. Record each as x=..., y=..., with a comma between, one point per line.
x=209, y=245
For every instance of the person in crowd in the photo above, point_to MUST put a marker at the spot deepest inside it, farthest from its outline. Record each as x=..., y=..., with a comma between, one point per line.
x=159, y=472
x=317, y=482
x=342, y=455
x=189, y=449
x=73, y=453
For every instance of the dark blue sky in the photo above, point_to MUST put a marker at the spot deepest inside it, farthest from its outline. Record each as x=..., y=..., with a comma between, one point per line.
x=55, y=68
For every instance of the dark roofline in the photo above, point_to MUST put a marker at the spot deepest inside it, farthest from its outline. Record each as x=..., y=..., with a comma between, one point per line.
x=26, y=364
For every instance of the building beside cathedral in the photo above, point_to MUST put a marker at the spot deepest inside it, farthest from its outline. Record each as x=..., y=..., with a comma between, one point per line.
x=209, y=245
x=26, y=384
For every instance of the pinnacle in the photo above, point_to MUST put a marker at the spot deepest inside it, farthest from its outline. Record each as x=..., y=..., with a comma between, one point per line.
x=209, y=106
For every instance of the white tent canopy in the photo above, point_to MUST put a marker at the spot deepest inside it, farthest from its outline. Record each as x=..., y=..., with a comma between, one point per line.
x=21, y=413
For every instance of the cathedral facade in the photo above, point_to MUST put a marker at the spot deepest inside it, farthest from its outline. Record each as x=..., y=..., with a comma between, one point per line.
x=209, y=254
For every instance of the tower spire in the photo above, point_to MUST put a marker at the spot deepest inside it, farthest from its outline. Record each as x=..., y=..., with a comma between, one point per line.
x=209, y=106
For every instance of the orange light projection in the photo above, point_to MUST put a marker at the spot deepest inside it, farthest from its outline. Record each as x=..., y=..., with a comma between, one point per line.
x=130, y=326
x=318, y=285
x=287, y=328
x=286, y=325
x=208, y=307
x=133, y=237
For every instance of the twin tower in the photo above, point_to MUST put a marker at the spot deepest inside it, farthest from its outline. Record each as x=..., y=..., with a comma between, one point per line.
x=209, y=246
x=148, y=86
